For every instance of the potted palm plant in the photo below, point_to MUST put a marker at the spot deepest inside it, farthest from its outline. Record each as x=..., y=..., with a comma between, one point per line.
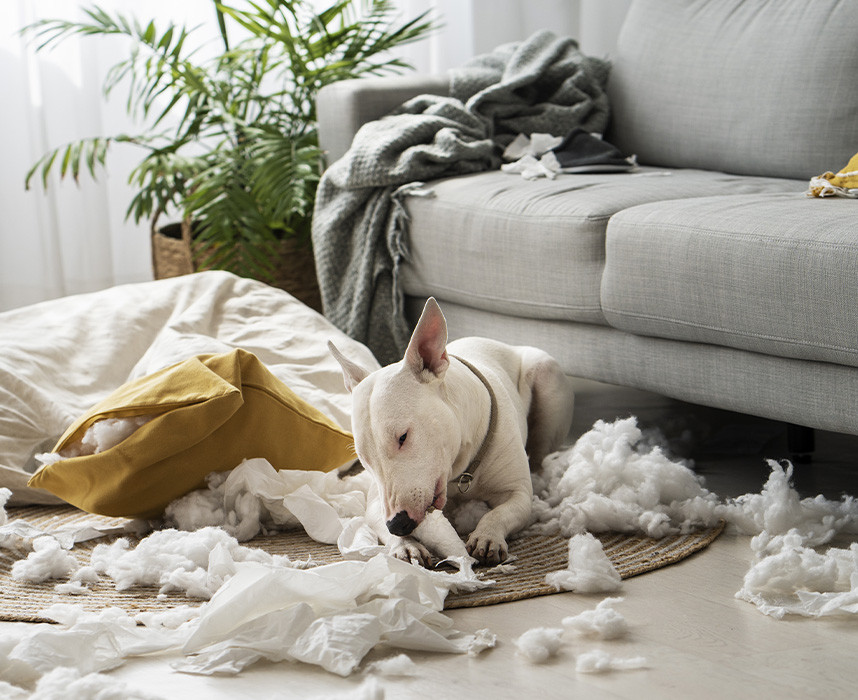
x=230, y=140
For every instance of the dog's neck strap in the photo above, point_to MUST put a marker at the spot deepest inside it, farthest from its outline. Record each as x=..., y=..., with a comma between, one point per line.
x=466, y=477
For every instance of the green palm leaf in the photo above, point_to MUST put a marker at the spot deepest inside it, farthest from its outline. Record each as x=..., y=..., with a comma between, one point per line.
x=230, y=140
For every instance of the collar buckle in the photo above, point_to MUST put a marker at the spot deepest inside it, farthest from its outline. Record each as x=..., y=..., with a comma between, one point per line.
x=464, y=481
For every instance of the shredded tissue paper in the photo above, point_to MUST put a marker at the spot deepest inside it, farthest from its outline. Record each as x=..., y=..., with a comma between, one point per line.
x=261, y=606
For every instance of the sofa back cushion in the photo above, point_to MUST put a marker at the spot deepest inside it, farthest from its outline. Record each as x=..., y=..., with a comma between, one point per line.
x=754, y=87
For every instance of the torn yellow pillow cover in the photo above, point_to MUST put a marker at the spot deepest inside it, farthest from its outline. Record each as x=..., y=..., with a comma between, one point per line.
x=210, y=413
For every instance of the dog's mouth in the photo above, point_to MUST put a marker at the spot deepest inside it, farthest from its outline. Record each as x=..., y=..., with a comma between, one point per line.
x=440, y=499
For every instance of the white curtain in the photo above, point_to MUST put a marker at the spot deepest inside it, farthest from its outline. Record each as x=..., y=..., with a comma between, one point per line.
x=74, y=237
x=472, y=27
x=71, y=237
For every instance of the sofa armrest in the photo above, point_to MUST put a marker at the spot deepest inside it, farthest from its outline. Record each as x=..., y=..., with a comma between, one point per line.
x=343, y=107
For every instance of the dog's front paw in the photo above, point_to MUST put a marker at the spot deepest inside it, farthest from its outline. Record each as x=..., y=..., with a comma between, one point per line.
x=410, y=550
x=487, y=549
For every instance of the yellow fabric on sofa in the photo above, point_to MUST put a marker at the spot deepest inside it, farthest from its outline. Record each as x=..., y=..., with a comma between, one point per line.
x=211, y=412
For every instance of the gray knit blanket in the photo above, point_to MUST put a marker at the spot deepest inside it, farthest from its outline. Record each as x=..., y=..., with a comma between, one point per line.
x=360, y=225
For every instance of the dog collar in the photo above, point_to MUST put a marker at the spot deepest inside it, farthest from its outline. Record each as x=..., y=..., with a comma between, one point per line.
x=466, y=477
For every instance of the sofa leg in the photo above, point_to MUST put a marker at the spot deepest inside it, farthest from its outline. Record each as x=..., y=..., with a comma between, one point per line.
x=800, y=443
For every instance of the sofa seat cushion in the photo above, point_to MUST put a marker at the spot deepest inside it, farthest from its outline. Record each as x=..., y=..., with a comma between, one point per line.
x=772, y=273
x=535, y=248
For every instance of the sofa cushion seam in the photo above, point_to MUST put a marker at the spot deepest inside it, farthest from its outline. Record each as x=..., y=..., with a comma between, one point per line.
x=553, y=305
x=737, y=234
x=718, y=329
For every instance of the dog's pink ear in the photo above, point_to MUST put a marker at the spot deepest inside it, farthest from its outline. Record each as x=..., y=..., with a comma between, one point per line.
x=427, y=349
x=352, y=374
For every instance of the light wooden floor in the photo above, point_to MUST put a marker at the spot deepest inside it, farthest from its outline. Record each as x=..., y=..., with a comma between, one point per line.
x=700, y=642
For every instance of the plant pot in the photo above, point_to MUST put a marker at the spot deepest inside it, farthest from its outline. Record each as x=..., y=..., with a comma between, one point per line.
x=174, y=253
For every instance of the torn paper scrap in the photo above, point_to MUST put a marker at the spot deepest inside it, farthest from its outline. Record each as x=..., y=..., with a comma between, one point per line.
x=531, y=168
x=254, y=497
x=331, y=615
x=534, y=145
x=87, y=642
x=589, y=570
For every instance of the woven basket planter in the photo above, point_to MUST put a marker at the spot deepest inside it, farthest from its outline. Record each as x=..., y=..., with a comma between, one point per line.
x=174, y=253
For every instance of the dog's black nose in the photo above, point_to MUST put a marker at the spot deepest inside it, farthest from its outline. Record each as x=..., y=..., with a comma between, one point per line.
x=401, y=524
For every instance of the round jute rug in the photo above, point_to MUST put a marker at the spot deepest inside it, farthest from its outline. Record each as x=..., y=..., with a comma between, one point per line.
x=534, y=557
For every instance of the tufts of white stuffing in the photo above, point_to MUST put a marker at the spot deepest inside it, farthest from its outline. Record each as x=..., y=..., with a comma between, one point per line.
x=169, y=619
x=72, y=588
x=47, y=561
x=603, y=622
x=255, y=497
x=465, y=515
x=589, y=570
x=194, y=563
x=791, y=578
x=5, y=495
x=615, y=480
x=99, y=437
x=399, y=665
x=64, y=683
x=368, y=690
x=12, y=692
x=598, y=661
x=539, y=644
x=777, y=509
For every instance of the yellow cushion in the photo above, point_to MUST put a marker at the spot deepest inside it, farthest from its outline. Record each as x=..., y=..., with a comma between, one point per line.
x=212, y=411
x=830, y=184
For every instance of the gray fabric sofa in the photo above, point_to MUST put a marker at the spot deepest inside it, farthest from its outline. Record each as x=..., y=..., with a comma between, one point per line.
x=707, y=275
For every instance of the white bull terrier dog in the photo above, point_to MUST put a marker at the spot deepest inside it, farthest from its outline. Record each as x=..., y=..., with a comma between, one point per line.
x=464, y=420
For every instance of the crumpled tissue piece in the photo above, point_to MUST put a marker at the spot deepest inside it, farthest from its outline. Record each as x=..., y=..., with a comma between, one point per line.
x=331, y=615
x=255, y=496
x=534, y=145
x=589, y=571
x=88, y=642
x=531, y=156
x=531, y=168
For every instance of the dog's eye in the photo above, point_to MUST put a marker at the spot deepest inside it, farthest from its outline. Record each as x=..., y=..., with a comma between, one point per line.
x=402, y=439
